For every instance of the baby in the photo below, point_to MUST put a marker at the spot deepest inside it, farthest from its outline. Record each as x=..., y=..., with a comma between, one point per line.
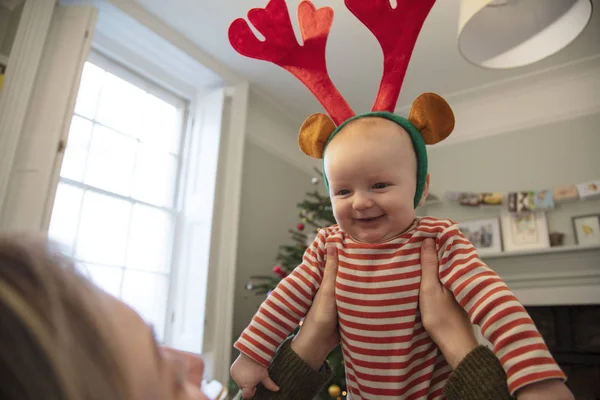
x=375, y=170
x=371, y=167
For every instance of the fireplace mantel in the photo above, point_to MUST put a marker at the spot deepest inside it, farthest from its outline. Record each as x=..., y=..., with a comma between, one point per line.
x=556, y=276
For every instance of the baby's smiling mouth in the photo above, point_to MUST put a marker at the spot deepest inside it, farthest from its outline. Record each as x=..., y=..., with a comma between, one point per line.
x=371, y=219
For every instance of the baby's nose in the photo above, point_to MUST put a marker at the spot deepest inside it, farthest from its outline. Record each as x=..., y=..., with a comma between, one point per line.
x=362, y=201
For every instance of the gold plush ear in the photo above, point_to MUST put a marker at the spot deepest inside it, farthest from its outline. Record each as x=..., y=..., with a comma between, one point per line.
x=314, y=134
x=433, y=117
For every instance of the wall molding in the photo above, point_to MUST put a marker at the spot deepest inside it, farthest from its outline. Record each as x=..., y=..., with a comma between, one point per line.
x=562, y=93
x=282, y=144
x=178, y=39
x=544, y=279
x=35, y=172
x=22, y=71
x=226, y=256
x=128, y=41
x=536, y=99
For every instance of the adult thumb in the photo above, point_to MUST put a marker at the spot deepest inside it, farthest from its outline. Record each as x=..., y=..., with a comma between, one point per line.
x=331, y=266
x=429, y=266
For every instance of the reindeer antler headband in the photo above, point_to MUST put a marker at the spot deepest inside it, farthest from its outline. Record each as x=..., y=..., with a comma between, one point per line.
x=430, y=120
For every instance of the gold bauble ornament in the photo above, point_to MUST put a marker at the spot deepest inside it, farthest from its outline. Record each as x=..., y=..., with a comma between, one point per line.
x=334, y=391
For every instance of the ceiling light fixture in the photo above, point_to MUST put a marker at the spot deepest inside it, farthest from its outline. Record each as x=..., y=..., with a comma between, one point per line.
x=515, y=33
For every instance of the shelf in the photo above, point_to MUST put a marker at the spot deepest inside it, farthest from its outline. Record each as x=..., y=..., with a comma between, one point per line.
x=542, y=252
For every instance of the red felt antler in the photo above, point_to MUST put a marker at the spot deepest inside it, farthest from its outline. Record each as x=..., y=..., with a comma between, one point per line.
x=397, y=31
x=307, y=62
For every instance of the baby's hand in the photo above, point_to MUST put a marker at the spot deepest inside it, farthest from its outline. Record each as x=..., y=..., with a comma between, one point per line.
x=247, y=373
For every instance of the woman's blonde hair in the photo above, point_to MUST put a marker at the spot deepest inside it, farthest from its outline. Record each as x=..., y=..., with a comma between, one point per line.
x=54, y=336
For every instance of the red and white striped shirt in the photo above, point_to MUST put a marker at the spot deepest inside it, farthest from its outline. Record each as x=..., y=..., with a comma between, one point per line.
x=387, y=353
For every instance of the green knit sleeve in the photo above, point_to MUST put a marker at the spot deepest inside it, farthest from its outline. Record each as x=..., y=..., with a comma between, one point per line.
x=479, y=376
x=296, y=379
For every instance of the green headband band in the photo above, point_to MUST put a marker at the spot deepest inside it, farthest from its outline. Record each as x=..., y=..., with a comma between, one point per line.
x=415, y=136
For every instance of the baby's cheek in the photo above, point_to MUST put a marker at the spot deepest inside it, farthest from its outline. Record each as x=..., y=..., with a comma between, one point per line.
x=338, y=209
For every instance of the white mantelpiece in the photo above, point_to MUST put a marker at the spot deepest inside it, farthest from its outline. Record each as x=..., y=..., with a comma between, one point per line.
x=557, y=276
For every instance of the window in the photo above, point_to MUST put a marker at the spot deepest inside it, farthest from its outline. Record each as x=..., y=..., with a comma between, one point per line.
x=115, y=210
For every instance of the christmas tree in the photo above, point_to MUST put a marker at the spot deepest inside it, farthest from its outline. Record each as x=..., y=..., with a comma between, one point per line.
x=315, y=213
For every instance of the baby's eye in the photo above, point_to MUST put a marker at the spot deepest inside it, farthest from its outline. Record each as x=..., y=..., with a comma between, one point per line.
x=343, y=192
x=380, y=185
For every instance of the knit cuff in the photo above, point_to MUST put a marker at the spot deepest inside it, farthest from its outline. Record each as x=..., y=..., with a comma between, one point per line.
x=295, y=378
x=478, y=376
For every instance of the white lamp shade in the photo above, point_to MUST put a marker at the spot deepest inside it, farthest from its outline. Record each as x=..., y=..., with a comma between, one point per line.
x=514, y=33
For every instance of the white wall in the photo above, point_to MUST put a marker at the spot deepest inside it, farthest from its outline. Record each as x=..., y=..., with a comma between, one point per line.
x=270, y=190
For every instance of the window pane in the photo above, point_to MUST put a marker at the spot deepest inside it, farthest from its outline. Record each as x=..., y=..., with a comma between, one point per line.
x=73, y=165
x=147, y=294
x=89, y=90
x=150, y=238
x=155, y=177
x=106, y=277
x=103, y=229
x=161, y=124
x=65, y=216
x=111, y=161
x=120, y=106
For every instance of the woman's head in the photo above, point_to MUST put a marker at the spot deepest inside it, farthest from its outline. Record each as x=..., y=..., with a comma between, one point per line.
x=62, y=338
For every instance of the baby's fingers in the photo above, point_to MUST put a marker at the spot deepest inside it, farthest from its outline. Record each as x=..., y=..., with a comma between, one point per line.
x=248, y=392
x=269, y=384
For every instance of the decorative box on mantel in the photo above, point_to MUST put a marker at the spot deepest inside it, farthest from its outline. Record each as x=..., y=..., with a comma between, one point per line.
x=560, y=287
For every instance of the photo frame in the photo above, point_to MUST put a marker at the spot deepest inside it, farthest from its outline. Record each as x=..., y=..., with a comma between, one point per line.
x=484, y=234
x=587, y=229
x=525, y=231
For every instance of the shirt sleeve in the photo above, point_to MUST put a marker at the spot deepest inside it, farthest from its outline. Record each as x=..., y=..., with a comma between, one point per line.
x=495, y=309
x=287, y=304
x=295, y=378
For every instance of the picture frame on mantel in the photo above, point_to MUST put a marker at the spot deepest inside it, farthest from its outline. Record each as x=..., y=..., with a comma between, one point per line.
x=525, y=231
x=484, y=235
x=587, y=230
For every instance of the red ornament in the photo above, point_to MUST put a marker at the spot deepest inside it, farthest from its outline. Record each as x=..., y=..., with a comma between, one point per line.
x=300, y=226
x=279, y=271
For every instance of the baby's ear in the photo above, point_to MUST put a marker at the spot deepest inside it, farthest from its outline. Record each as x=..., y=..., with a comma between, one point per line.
x=433, y=117
x=314, y=134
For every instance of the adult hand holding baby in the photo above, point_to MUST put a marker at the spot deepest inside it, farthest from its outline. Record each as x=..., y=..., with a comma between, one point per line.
x=443, y=318
x=321, y=322
x=445, y=321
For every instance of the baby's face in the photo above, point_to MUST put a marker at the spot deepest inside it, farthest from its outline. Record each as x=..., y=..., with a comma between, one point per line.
x=371, y=167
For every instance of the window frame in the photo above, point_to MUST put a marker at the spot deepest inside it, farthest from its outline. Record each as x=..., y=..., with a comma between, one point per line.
x=182, y=103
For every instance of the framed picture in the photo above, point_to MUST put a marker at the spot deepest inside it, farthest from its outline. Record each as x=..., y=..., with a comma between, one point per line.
x=587, y=229
x=484, y=234
x=526, y=231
